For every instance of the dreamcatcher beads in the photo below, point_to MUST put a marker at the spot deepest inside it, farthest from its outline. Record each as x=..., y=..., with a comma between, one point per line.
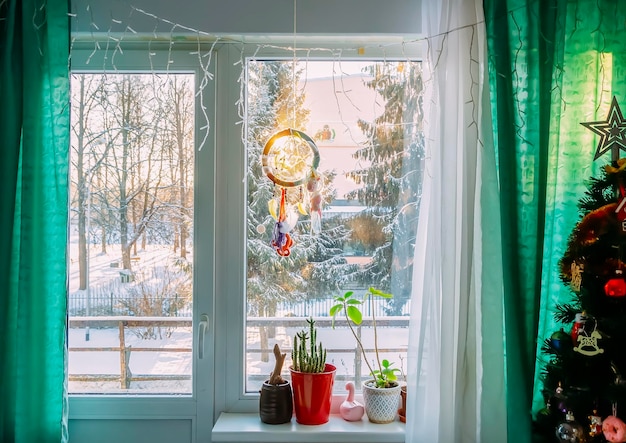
x=314, y=186
x=281, y=240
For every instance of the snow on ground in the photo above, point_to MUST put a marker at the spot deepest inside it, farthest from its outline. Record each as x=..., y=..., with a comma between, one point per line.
x=103, y=274
x=181, y=363
x=146, y=363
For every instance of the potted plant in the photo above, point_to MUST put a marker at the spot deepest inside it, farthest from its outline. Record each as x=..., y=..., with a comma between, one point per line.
x=382, y=393
x=311, y=378
x=403, y=387
x=275, y=402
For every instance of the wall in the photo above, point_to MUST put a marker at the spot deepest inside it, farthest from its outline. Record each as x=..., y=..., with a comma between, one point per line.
x=330, y=17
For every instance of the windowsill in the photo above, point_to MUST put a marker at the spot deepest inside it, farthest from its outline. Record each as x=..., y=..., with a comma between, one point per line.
x=237, y=427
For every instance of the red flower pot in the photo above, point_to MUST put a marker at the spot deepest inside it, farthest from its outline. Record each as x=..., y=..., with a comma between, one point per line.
x=312, y=395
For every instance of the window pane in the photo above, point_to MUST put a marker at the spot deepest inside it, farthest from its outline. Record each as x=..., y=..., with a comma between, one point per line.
x=131, y=228
x=365, y=119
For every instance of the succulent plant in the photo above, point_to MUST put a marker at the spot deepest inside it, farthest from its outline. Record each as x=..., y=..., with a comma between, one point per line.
x=308, y=355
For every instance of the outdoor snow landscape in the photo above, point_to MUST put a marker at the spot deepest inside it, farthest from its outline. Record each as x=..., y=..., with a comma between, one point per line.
x=147, y=270
x=131, y=233
x=157, y=363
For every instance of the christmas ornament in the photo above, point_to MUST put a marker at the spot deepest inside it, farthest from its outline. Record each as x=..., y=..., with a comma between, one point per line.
x=579, y=323
x=588, y=344
x=614, y=429
x=570, y=431
x=558, y=400
x=561, y=340
x=612, y=132
x=616, y=287
x=577, y=276
x=595, y=424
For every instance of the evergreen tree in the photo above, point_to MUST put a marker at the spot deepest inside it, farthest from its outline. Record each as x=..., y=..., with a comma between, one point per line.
x=585, y=360
x=271, y=103
x=314, y=268
x=390, y=180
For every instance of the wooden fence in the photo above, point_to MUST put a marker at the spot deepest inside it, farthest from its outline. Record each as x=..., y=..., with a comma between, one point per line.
x=121, y=323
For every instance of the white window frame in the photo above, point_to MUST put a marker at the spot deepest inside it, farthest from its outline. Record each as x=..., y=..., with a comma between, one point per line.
x=231, y=199
x=86, y=57
x=219, y=208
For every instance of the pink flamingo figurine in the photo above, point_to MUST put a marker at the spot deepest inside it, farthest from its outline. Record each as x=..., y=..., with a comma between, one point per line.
x=351, y=410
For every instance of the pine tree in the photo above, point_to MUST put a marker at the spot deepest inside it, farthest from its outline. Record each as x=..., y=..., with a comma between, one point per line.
x=271, y=104
x=314, y=269
x=586, y=359
x=390, y=180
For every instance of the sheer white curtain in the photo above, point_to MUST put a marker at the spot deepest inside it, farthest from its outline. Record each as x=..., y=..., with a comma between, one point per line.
x=456, y=380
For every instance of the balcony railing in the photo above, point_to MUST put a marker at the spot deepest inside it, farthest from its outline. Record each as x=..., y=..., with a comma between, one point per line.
x=125, y=377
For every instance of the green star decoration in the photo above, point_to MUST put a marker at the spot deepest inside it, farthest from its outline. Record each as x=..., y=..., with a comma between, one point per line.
x=612, y=132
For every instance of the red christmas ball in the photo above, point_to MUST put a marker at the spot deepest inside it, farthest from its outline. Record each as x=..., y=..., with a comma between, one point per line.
x=615, y=287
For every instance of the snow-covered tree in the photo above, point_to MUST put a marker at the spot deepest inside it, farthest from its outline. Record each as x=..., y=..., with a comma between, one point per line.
x=314, y=268
x=390, y=179
x=133, y=161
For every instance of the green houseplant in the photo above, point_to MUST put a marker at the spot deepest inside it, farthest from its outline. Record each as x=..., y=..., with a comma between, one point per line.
x=381, y=394
x=312, y=378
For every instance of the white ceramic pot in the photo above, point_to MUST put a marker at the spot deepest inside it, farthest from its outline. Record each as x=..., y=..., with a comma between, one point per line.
x=381, y=404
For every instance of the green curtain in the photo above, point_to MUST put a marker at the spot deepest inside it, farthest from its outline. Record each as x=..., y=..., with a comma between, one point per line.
x=34, y=126
x=553, y=65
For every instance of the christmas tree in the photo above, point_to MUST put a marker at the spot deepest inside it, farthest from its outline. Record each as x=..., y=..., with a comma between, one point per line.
x=583, y=380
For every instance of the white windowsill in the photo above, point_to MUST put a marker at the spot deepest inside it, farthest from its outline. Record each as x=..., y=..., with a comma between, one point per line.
x=237, y=427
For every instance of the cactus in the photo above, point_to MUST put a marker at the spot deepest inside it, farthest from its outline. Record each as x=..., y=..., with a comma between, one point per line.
x=311, y=359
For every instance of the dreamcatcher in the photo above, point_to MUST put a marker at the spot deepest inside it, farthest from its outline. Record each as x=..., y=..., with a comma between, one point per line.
x=290, y=160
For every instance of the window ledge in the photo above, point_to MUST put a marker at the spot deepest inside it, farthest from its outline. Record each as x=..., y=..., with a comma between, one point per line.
x=238, y=427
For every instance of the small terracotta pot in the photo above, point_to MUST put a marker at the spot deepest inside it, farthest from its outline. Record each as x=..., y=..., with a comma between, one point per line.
x=275, y=403
x=312, y=395
x=402, y=410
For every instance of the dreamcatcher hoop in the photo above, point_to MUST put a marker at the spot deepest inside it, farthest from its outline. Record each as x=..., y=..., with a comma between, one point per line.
x=273, y=154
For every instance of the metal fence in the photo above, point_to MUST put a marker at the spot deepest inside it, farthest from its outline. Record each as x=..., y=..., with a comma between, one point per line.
x=113, y=298
x=118, y=297
x=321, y=307
x=110, y=300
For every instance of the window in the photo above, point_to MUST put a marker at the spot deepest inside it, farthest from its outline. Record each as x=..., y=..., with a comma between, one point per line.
x=131, y=243
x=139, y=120
x=189, y=234
x=219, y=368
x=364, y=117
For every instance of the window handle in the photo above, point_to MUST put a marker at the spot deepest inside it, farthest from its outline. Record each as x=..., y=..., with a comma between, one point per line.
x=202, y=327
